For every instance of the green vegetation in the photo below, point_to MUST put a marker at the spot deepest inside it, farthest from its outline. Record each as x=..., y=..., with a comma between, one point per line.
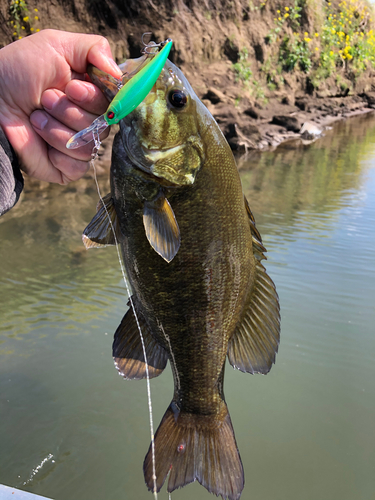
x=22, y=21
x=343, y=39
x=244, y=74
x=318, y=37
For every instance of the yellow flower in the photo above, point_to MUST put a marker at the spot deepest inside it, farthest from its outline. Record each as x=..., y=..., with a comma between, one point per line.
x=22, y=27
x=316, y=34
x=36, y=18
x=278, y=12
x=287, y=8
x=316, y=48
x=307, y=39
x=286, y=15
x=15, y=33
x=280, y=19
x=36, y=10
x=26, y=19
x=31, y=29
x=331, y=53
x=306, y=34
x=37, y=29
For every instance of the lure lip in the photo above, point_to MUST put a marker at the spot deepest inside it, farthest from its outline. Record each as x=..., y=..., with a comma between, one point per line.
x=89, y=134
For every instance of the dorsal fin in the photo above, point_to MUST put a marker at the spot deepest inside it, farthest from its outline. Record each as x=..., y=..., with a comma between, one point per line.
x=127, y=349
x=99, y=233
x=258, y=247
x=255, y=342
x=161, y=227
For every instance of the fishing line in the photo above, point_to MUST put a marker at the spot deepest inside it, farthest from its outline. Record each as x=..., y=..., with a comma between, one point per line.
x=94, y=155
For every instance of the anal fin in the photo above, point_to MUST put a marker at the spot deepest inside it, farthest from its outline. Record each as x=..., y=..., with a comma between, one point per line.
x=127, y=349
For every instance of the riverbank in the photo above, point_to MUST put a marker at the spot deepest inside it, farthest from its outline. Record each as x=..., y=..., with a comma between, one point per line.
x=268, y=71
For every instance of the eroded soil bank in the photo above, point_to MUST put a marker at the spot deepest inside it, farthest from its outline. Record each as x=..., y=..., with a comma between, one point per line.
x=209, y=39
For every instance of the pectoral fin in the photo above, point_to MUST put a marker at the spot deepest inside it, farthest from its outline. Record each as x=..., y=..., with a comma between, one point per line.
x=161, y=228
x=127, y=349
x=104, y=228
x=255, y=342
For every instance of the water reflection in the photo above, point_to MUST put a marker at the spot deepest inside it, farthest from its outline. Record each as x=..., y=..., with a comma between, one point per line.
x=309, y=422
x=289, y=187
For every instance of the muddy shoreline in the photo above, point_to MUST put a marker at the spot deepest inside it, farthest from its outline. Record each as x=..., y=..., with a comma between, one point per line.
x=265, y=127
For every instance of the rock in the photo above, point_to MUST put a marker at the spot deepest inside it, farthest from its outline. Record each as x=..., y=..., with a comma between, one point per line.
x=215, y=96
x=288, y=100
x=289, y=122
x=302, y=104
x=242, y=137
x=370, y=98
x=310, y=131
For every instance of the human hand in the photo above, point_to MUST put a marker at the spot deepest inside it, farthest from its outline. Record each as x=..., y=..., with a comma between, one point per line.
x=44, y=100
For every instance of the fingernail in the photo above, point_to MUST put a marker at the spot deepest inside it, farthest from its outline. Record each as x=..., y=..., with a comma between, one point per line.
x=49, y=99
x=38, y=119
x=115, y=67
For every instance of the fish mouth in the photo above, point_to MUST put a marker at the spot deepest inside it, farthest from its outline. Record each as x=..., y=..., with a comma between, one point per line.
x=155, y=161
x=157, y=156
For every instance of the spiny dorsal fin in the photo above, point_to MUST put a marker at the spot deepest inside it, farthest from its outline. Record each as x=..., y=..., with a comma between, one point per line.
x=127, y=349
x=161, y=227
x=99, y=233
x=255, y=342
x=258, y=247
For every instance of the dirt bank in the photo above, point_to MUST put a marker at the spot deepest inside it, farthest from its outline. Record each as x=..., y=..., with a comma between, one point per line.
x=227, y=52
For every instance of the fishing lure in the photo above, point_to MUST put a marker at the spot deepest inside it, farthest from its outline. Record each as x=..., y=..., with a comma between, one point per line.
x=128, y=97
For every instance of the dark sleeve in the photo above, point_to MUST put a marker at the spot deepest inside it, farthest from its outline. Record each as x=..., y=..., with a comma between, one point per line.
x=11, y=180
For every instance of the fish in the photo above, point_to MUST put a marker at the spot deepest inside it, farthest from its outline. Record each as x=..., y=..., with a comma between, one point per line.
x=200, y=292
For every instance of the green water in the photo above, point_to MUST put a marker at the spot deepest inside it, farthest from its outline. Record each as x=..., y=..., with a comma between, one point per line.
x=72, y=429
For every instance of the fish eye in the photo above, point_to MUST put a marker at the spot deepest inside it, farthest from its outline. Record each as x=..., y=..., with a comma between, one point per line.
x=110, y=115
x=177, y=98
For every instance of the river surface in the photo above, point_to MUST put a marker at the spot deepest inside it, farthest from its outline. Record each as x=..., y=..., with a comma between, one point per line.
x=72, y=429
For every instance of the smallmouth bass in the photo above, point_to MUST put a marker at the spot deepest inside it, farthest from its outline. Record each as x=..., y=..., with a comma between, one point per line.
x=193, y=256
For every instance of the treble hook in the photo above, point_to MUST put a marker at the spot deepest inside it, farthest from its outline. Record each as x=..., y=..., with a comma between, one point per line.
x=148, y=48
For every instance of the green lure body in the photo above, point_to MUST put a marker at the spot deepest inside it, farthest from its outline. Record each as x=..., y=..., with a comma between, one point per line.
x=136, y=90
x=126, y=99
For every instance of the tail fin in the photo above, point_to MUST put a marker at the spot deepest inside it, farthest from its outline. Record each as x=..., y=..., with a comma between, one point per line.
x=196, y=447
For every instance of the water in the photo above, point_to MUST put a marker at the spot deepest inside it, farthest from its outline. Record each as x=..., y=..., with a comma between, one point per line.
x=72, y=429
